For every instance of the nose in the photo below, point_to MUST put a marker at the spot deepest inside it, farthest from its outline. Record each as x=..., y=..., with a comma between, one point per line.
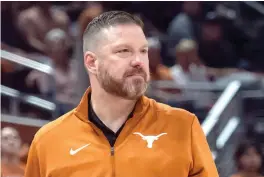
x=136, y=62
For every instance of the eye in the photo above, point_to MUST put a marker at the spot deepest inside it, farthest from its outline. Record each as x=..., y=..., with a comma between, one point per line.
x=123, y=51
x=144, y=51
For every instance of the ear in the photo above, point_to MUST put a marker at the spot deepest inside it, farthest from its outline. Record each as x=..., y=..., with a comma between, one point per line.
x=90, y=61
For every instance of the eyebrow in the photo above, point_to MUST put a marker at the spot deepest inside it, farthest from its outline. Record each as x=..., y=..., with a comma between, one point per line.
x=145, y=46
x=121, y=45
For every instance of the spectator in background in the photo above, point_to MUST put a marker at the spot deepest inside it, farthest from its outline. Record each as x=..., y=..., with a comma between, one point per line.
x=255, y=51
x=214, y=50
x=249, y=160
x=93, y=9
x=189, y=67
x=11, y=39
x=157, y=69
x=11, y=146
x=37, y=21
x=86, y=16
x=65, y=72
x=186, y=24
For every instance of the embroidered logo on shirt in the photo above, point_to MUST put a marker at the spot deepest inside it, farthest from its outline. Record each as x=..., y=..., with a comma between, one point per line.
x=73, y=152
x=150, y=139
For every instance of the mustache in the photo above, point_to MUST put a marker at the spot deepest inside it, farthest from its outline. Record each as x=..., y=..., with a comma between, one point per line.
x=136, y=71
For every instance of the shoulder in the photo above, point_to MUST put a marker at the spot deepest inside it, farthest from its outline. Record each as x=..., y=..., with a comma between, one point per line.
x=177, y=122
x=173, y=114
x=53, y=129
x=164, y=72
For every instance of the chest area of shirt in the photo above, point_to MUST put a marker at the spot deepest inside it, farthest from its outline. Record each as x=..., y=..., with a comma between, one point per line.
x=156, y=150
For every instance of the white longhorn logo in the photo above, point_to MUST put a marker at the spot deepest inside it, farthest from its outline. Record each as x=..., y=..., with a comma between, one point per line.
x=150, y=139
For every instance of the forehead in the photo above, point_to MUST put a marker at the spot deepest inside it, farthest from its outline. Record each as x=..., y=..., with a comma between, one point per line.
x=6, y=132
x=251, y=150
x=124, y=34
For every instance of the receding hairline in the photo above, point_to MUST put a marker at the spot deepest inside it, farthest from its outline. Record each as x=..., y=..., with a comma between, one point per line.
x=105, y=21
x=97, y=36
x=111, y=18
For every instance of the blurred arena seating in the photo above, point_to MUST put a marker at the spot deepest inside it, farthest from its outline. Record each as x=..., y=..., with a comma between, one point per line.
x=223, y=44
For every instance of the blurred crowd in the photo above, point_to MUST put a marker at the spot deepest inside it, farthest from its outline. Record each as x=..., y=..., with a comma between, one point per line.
x=188, y=42
x=197, y=41
x=13, y=153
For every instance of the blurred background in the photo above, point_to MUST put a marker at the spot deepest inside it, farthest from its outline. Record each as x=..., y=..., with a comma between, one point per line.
x=206, y=57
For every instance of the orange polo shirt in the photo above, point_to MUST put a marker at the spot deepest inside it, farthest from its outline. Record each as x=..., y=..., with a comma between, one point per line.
x=157, y=141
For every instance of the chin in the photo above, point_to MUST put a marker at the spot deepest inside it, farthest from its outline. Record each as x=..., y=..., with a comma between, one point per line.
x=135, y=93
x=133, y=96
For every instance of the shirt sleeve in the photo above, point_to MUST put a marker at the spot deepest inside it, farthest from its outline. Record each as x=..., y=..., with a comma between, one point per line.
x=202, y=164
x=33, y=164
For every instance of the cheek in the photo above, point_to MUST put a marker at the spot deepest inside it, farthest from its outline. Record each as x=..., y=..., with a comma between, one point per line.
x=115, y=70
x=146, y=64
x=3, y=144
x=257, y=161
x=244, y=161
x=18, y=142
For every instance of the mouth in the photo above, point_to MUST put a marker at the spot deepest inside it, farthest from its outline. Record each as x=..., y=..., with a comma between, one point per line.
x=137, y=75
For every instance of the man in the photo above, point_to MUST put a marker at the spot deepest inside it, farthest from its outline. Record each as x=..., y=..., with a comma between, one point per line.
x=189, y=68
x=214, y=49
x=157, y=69
x=115, y=130
x=37, y=21
x=11, y=146
x=65, y=76
x=186, y=25
x=87, y=15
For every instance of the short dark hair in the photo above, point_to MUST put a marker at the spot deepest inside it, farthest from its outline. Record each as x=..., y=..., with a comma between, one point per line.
x=106, y=20
x=243, y=147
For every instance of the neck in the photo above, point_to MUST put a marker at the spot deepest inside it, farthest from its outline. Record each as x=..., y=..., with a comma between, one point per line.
x=63, y=66
x=10, y=159
x=113, y=111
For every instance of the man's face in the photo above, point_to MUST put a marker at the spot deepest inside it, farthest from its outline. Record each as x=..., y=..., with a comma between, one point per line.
x=185, y=59
x=211, y=32
x=11, y=142
x=123, y=65
x=251, y=160
x=192, y=7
